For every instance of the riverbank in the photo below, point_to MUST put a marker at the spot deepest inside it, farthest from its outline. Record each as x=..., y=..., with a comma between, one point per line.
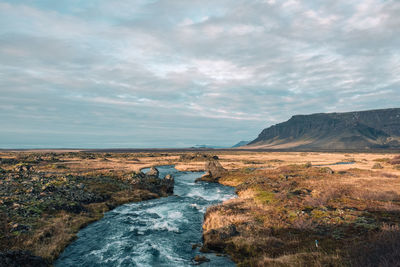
x=300, y=215
x=47, y=198
x=158, y=232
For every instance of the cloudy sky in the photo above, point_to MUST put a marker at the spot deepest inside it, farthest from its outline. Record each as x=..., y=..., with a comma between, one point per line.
x=176, y=73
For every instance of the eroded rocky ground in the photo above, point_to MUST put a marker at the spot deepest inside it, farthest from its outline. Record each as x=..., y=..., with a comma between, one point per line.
x=46, y=198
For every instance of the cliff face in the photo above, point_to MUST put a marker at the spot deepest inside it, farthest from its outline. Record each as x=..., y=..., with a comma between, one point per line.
x=351, y=130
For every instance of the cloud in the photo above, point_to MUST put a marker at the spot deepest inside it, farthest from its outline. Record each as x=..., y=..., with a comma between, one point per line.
x=177, y=73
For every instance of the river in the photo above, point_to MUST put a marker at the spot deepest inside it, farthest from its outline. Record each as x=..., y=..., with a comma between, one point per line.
x=157, y=232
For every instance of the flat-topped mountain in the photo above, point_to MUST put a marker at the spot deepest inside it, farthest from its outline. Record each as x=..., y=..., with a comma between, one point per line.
x=351, y=130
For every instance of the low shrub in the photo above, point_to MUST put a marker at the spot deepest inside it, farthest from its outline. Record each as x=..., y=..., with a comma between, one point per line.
x=395, y=160
x=382, y=249
x=389, y=175
x=376, y=195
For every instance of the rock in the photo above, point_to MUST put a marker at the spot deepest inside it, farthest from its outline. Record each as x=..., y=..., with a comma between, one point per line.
x=301, y=192
x=8, y=161
x=327, y=170
x=217, y=239
x=21, y=259
x=194, y=246
x=206, y=175
x=308, y=165
x=167, y=184
x=214, y=171
x=138, y=175
x=199, y=259
x=24, y=168
x=153, y=172
x=151, y=182
x=20, y=228
x=215, y=168
x=377, y=166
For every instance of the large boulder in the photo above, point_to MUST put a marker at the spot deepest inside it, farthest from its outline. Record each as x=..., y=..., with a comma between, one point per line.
x=167, y=184
x=153, y=172
x=214, y=171
x=150, y=181
x=217, y=239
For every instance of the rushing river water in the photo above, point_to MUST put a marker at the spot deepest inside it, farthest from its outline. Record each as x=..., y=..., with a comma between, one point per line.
x=157, y=232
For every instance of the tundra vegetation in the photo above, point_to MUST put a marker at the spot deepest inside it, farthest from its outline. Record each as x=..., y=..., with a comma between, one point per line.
x=47, y=197
x=286, y=201
x=302, y=215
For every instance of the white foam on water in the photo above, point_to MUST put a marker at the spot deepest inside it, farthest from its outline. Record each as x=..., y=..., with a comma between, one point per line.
x=198, y=207
x=208, y=196
x=165, y=225
x=154, y=232
x=175, y=215
x=99, y=254
x=127, y=259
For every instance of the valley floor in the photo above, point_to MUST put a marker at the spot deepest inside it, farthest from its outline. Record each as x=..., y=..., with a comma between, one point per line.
x=293, y=208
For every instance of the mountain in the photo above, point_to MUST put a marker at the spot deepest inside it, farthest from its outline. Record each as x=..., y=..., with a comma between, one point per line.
x=207, y=146
x=241, y=143
x=351, y=130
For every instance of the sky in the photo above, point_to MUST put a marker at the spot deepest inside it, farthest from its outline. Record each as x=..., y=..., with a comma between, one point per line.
x=176, y=73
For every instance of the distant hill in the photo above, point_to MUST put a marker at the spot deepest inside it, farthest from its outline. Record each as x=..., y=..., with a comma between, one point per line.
x=370, y=129
x=241, y=143
x=207, y=146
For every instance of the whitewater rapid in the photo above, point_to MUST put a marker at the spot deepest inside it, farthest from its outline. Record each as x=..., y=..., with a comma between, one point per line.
x=157, y=232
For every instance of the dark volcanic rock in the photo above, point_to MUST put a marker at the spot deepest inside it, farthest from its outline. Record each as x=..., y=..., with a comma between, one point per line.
x=153, y=172
x=151, y=182
x=351, y=130
x=200, y=259
x=214, y=171
x=24, y=168
x=216, y=239
x=377, y=166
x=21, y=259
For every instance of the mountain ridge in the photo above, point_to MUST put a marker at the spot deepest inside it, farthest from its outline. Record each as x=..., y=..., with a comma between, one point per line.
x=379, y=128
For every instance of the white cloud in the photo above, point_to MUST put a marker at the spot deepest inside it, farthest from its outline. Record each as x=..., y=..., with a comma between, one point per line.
x=200, y=70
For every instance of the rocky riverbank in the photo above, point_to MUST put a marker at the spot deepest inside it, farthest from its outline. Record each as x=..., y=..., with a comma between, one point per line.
x=42, y=210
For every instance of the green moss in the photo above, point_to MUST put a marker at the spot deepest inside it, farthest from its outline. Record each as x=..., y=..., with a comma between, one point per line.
x=382, y=160
x=308, y=165
x=35, y=210
x=292, y=216
x=265, y=197
x=318, y=214
x=248, y=170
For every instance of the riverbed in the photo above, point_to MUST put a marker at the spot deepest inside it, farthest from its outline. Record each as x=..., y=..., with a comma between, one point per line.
x=157, y=232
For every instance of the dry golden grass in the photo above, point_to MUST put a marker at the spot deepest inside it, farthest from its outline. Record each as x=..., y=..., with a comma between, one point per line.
x=289, y=207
